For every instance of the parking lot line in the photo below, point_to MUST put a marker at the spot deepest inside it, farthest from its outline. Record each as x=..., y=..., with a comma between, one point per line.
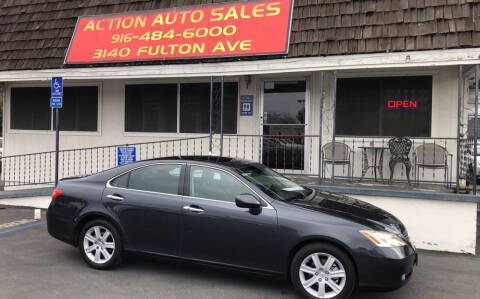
x=22, y=227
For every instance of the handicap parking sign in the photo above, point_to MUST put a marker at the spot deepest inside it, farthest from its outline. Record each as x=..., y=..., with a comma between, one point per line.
x=126, y=154
x=56, y=98
x=57, y=87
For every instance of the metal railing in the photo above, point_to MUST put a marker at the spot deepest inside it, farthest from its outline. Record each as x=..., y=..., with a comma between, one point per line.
x=372, y=156
x=39, y=168
x=291, y=155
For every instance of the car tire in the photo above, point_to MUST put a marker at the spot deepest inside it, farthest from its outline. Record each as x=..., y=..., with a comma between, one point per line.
x=314, y=278
x=100, y=244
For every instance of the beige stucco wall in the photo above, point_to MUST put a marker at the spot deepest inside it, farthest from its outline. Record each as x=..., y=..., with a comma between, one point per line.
x=434, y=224
x=111, y=117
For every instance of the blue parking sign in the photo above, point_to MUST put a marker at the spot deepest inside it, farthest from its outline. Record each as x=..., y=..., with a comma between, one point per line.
x=126, y=154
x=57, y=87
x=56, y=102
x=56, y=98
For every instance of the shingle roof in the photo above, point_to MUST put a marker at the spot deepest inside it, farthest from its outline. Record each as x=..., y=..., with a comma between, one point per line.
x=34, y=34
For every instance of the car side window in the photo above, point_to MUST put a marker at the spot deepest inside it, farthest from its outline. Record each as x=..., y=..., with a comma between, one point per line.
x=161, y=178
x=121, y=181
x=215, y=184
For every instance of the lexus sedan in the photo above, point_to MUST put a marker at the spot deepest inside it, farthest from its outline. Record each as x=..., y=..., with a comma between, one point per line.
x=237, y=214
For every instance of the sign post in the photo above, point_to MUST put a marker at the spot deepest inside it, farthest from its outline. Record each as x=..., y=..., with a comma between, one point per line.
x=56, y=102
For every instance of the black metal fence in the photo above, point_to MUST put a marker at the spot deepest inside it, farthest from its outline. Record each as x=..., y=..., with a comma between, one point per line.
x=363, y=158
x=39, y=168
x=431, y=160
x=356, y=158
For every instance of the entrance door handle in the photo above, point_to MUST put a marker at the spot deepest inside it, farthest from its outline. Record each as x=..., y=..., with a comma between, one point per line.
x=194, y=209
x=115, y=197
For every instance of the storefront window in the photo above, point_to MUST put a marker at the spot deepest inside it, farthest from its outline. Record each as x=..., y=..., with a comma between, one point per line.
x=393, y=106
x=195, y=107
x=30, y=109
x=151, y=108
x=80, y=109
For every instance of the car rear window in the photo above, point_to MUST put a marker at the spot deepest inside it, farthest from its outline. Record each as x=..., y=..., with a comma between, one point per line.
x=121, y=181
x=161, y=178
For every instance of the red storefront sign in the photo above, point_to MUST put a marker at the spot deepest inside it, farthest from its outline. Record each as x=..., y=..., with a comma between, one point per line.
x=402, y=104
x=218, y=30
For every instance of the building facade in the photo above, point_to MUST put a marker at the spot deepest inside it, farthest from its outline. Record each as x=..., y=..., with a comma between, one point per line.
x=356, y=73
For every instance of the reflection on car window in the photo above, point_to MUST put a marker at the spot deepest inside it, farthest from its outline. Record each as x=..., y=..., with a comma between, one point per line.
x=215, y=184
x=272, y=183
x=156, y=178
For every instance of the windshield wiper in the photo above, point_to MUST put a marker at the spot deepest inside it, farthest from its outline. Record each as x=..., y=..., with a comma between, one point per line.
x=301, y=195
x=296, y=196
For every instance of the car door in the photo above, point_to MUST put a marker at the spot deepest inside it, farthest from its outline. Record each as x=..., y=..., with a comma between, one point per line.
x=148, y=204
x=216, y=230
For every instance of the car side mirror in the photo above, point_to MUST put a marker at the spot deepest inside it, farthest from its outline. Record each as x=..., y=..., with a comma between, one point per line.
x=248, y=201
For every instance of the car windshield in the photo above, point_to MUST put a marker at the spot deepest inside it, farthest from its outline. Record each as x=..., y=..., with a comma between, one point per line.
x=272, y=183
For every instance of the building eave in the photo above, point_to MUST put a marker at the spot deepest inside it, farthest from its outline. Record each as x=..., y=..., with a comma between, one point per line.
x=433, y=58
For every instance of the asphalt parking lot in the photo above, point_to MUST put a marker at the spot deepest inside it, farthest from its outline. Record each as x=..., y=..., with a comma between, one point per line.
x=34, y=265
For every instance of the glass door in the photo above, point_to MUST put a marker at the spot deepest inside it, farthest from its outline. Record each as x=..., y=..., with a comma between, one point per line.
x=283, y=123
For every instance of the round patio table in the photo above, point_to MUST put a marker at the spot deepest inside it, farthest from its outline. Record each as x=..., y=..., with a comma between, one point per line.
x=377, y=157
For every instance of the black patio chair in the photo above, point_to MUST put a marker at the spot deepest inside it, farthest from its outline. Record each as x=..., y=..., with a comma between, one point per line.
x=343, y=156
x=400, y=149
x=432, y=156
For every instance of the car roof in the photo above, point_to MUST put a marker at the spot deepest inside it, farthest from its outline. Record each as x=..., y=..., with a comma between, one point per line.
x=225, y=162
x=222, y=161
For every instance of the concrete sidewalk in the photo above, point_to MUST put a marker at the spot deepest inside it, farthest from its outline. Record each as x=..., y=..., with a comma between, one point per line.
x=34, y=198
x=40, y=202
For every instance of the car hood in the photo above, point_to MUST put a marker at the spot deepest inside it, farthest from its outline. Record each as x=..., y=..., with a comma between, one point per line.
x=353, y=209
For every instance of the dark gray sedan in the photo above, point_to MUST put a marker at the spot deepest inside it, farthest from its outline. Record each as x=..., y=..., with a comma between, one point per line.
x=236, y=214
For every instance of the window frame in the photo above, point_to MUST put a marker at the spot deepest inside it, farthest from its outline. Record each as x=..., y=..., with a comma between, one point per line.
x=8, y=101
x=181, y=179
x=263, y=201
x=124, y=109
x=435, y=91
x=178, y=83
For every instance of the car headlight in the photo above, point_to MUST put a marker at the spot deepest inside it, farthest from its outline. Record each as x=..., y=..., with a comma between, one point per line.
x=383, y=239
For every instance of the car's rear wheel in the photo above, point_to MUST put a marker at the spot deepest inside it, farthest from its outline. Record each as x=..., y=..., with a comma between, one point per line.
x=321, y=270
x=100, y=244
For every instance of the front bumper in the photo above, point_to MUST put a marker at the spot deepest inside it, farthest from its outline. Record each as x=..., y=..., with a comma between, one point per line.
x=389, y=270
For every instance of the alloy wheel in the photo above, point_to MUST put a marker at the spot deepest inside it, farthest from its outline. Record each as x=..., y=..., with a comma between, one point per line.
x=322, y=275
x=98, y=244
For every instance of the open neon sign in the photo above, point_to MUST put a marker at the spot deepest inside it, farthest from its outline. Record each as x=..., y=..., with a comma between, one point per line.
x=402, y=104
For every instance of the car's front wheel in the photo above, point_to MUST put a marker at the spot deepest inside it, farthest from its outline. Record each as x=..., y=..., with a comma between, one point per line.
x=100, y=244
x=321, y=270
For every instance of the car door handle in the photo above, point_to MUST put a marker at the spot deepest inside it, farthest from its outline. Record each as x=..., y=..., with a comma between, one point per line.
x=115, y=197
x=194, y=209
